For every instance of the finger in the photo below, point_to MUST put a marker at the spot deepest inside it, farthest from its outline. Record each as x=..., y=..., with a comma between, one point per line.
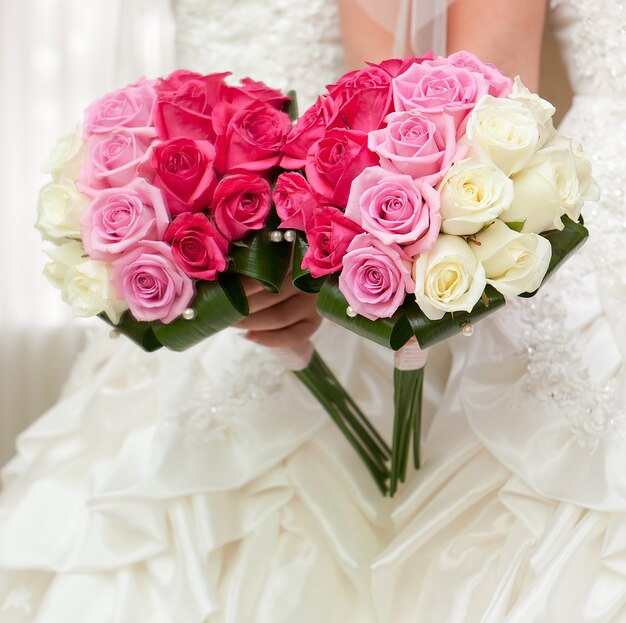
x=280, y=315
x=264, y=300
x=251, y=286
x=289, y=337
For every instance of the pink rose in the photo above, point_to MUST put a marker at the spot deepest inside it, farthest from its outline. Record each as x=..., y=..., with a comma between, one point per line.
x=183, y=169
x=499, y=84
x=185, y=104
x=362, y=99
x=112, y=159
x=294, y=200
x=395, y=209
x=334, y=161
x=131, y=107
x=260, y=91
x=416, y=144
x=375, y=278
x=249, y=139
x=121, y=218
x=241, y=204
x=150, y=281
x=437, y=89
x=197, y=246
x=329, y=234
x=309, y=129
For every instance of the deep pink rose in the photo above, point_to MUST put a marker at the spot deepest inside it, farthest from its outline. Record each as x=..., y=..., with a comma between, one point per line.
x=309, y=129
x=499, y=84
x=334, y=161
x=249, y=139
x=421, y=145
x=437, y=89
x=131, y=107
x=112, y=159
x=185, y=104
x=152, y=283
x=121, y=218
x=183, y=169
x=395, y=209
x=329, y=234
x=241, y=204
x=362, y=99
x=197, y=246
x=294, y=200
x=375, y=278
x=396, y=66
x=260, y=91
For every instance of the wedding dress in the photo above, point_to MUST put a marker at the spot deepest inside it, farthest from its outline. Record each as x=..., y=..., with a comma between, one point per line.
x=518, y=514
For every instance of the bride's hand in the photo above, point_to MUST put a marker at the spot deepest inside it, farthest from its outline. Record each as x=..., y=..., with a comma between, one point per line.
x=281, y=320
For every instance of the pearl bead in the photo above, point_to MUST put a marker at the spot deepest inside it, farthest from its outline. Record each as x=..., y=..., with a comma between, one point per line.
x=189, y=313
x=114, y=334
x=467, y=329
x=276, y=236
x=350, y=312
x=290, y=235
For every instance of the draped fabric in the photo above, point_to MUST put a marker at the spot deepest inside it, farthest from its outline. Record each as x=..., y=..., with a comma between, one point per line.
x=55, y=57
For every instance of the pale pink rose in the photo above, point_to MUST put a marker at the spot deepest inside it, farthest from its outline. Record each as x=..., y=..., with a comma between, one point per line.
x=437, y=89
x=395, y=209
x=294, y=200
x=152, y=283
x=120, y=218
x=131, y=107
x=417, y=144
x=375, y=278
x=499, y=84
x=112, y=159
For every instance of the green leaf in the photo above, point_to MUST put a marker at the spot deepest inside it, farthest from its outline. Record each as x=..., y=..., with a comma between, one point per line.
x=292, y=109
x=302, y=278
x=218, y=305
x=564, y=243
x=266, y=261
x=391, y=332
x=139, y=332
x=516, y=225
x=429, y=332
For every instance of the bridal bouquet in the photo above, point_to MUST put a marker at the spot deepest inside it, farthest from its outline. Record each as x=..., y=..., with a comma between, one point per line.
x=423, y=192
x=162, y=201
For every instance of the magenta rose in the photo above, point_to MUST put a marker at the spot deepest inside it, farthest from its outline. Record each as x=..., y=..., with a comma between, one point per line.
x=329, y=234
x=121, y=218
x=112, y=159
x=397, y=66
x=241, y=204
x=183, y=169
x=185, y=103
x=395, y=209
x=437, y=89
x=131, y=107
x=152, y=283
x=309, y=129
x=334, y=161
x=249, y=139
x=420, y=145
x=375, y=278
x=361, y=99
x=260, y=91
x=294, y=200
x=197, y=246
x=499, y=84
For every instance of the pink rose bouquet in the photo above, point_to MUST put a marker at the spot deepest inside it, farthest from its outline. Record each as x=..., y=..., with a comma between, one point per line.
x=421, y=192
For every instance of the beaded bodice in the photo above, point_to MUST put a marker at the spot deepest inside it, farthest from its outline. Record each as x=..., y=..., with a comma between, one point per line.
x=288, y=44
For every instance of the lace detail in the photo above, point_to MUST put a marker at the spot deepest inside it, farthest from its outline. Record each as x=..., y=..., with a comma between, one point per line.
x=290, y=45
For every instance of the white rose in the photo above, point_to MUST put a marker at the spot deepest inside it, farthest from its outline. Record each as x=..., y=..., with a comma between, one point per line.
x=67, y=156
x=513, y=262
x=448, y=278
x=473, y=193
x=59, y=209
x=542, y=110
x=504, y=132
x=554, y=183
x=85, y=284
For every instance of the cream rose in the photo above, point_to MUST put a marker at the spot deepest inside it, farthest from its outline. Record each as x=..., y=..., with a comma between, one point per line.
x=67, y=156
x=59, y=209
x=448, y=278
x=542, y=110
x=473, y=193
x=85, y=284
x=504, y=132
x=554, y=183
x=513, y=262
